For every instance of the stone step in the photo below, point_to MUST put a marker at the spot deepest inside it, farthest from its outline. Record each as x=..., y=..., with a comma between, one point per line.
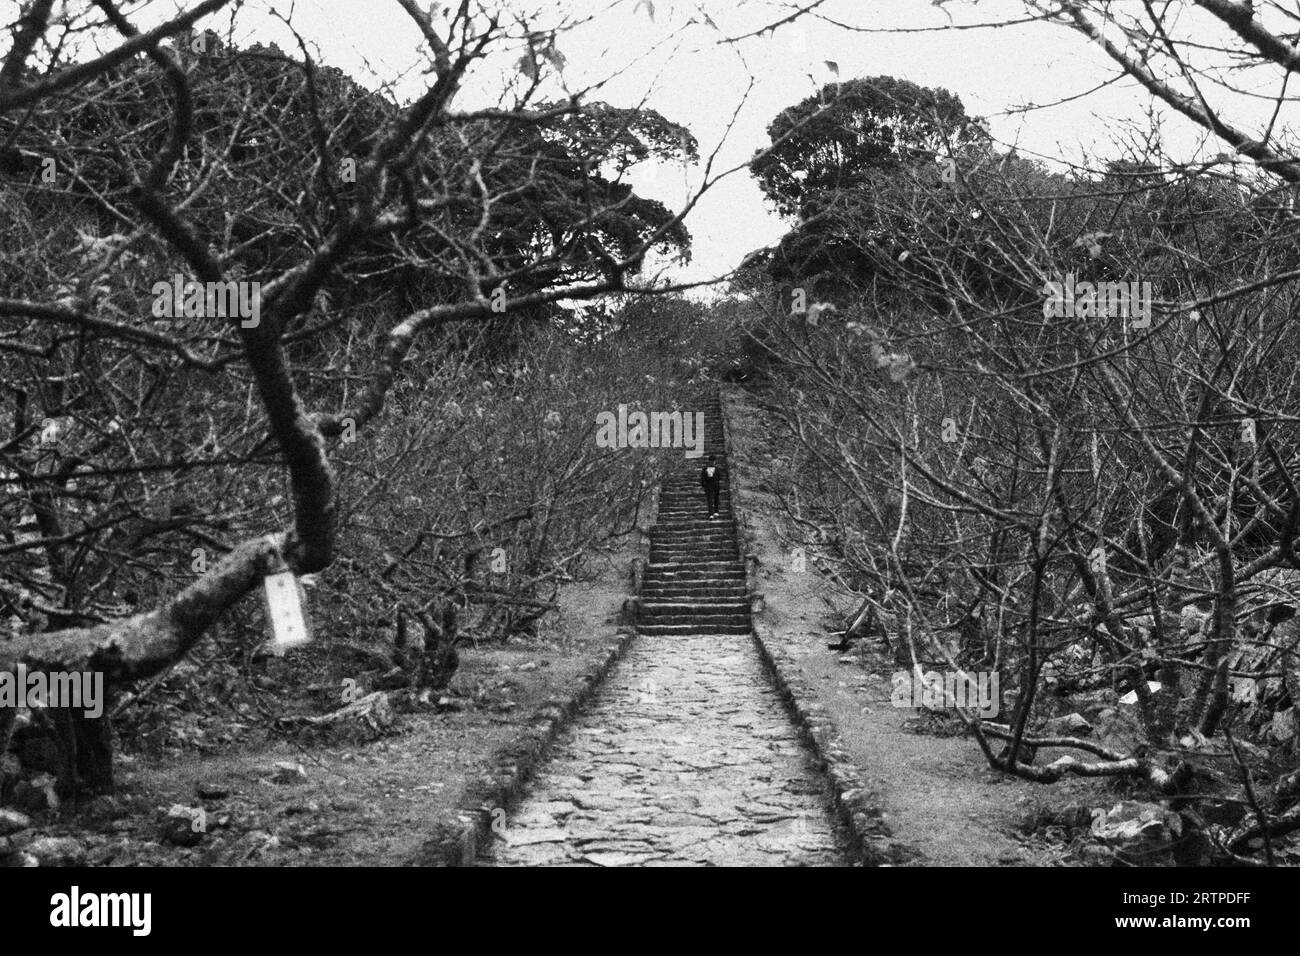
x=718, y=570
x=678, y=549
x=667, y=629
x=659, y=557
x=740, y=618
x=696, y=577
x=705, y=581
x=735, y=564
x=695, y=587
x=702, y=594
x=712, y=531
x=690, y=542
x=711, y=584
x=697, y=522
x=682, y=544
x=710, y=577
x=714, y=522
x=688, y=623
x=679, y=557
x=709, y=537
x=655, y=573
x=687, y=553
x=704, y=545
x=721, y=523
x=700, y=606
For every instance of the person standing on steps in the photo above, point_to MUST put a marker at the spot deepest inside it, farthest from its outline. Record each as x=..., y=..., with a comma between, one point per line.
x=711, y=479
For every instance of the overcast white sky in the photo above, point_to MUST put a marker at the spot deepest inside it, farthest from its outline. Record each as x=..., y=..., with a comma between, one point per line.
x=692, y=79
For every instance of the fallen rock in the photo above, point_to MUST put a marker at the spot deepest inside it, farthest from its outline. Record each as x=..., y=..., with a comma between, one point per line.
x=57, y=851
x=1071, y=725
x=212, y=790
x=1132, y=696
x=255, y=843
x=1284, y=725
x=11, y=845
x=11, y=821
x=288, y=774
x=102, y=809
x=104, y=853
x=36, y=795
x=1138, y=832
x=184, y=826
x=1094, y=702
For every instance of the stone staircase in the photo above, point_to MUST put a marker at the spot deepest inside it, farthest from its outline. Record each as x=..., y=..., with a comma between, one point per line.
x=695, y=581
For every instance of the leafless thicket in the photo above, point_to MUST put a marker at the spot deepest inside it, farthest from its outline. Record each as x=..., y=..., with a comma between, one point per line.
x=1101, y=507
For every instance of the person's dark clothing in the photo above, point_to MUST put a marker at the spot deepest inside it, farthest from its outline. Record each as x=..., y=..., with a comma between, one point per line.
x=711, y=480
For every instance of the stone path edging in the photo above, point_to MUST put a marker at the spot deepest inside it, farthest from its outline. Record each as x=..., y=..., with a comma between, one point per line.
x=856, y=803
x=458, y=844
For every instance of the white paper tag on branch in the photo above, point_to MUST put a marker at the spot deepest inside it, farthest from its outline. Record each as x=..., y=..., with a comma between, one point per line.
x=284, y=610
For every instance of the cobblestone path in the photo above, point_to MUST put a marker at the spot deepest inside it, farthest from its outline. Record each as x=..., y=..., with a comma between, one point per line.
x=686, y=758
